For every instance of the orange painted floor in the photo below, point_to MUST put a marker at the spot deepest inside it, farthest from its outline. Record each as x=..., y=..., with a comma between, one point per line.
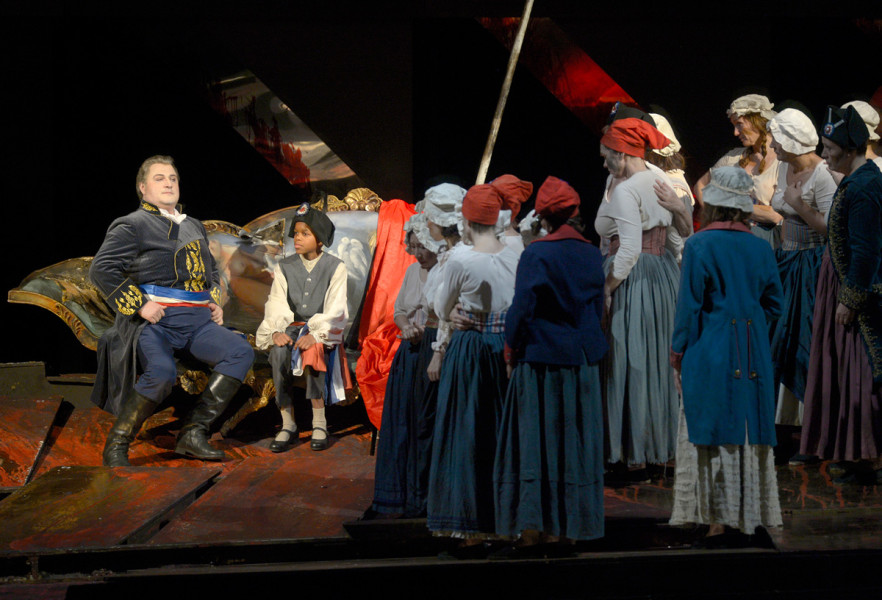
x=59, y=496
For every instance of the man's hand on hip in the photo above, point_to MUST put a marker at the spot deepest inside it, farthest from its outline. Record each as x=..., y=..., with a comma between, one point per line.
x=152, y=311
x=217, y=313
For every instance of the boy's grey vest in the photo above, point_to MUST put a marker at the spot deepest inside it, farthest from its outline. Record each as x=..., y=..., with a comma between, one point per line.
x=306, y=290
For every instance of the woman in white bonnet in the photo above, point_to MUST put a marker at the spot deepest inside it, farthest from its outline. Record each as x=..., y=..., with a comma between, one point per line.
x=749, y=116
x=405, y=443
x=729, y=289
x=442, y=205
x=803, y=195
x=678, y=198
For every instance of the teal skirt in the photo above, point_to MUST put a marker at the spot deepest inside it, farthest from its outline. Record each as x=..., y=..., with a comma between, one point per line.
x=792, y=331
x=470, y=393
x=548, y=473
x=405, y=439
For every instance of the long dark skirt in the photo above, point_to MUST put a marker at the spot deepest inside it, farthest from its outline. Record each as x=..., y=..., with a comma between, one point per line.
x=842, y=418
x=420, y=430
x=390, y=473
x=792, y=331
x=548, y=474
x=470, y=394
x=402, y=437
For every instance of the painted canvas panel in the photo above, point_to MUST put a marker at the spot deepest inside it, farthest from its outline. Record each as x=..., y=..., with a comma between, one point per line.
x=278, y=134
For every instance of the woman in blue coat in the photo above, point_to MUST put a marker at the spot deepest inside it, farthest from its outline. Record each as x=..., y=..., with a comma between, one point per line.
x=729, y=290
x=548, y=472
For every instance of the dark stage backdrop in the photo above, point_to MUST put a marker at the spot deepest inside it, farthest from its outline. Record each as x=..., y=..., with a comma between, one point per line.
x=403, y=99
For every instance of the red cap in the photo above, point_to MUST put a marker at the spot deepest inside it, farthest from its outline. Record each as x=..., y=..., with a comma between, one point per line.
x=632, y=136
x=481, y=204
x=514, y=192
x=557, y=197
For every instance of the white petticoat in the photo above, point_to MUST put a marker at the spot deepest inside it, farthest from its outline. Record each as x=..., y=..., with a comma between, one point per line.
x=733, y=485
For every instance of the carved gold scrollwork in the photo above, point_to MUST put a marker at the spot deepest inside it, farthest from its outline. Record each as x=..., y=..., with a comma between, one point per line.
x=264, y=389
x=193, y=381
x=357, y=199
x=213, y=226
x=334, y=204
x=363, y=199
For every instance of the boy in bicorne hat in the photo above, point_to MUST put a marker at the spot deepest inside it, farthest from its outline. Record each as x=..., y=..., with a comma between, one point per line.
x=303, y=323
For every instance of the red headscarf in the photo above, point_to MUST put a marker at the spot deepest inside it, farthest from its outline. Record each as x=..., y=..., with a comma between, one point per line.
x=514, y=192
x=481, y=204
x=632, y=136
x=556, y=197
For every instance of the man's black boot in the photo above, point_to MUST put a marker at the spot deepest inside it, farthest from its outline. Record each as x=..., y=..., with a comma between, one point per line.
x=128, y=423
x=193, y=438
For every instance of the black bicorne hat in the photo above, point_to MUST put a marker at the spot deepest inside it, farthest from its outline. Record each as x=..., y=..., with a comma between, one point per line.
x=623, y=111
x=845, y=128
x=322, y=226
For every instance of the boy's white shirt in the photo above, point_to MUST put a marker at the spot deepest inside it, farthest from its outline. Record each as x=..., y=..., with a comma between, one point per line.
x=326, y=327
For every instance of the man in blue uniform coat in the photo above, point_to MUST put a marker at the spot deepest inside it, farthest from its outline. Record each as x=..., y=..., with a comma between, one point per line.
x=157, y=274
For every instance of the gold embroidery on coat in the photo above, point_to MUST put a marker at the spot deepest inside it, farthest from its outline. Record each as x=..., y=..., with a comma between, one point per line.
x=872, y=344
x=852, y=296
x=836, y=234
x=849, y=295
x=195, y=267
x=129, y=300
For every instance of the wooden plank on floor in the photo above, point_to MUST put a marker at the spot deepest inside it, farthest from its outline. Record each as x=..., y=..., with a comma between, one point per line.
x=288, y=496
x=831, y=529
x=24, y=429
x=96, y=507
x=80, y=442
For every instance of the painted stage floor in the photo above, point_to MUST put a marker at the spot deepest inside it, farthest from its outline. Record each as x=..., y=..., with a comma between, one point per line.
x=60, y=505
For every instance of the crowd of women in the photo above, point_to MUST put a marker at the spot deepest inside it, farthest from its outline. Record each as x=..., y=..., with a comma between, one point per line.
x=534, y=366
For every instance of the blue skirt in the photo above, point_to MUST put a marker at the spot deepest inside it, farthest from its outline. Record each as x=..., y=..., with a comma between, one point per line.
x=420, y=430
x=470, y=394
x=548, y=474
x=402, y=442
x=640, y=395
x=791, y=334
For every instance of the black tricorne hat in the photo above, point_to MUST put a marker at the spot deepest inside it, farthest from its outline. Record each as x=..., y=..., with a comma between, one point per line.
x=845, y=128
x=322, y=226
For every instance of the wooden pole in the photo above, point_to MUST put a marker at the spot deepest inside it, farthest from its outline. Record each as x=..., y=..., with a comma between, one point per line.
x=503, y=94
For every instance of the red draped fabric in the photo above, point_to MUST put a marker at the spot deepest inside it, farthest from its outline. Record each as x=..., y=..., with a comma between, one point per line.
x=378, y=334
